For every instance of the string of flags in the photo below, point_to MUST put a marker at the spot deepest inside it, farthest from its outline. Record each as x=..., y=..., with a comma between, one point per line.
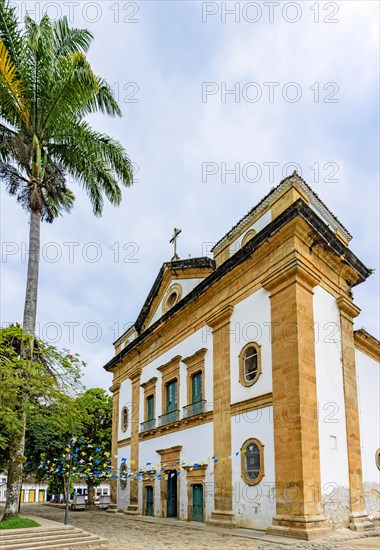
x=98, y=465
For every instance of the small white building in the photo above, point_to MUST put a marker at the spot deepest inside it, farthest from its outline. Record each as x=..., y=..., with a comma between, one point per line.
x=242, y=394
x=33, y=491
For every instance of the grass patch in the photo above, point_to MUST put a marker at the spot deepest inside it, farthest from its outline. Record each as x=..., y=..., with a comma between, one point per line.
x=18, y=523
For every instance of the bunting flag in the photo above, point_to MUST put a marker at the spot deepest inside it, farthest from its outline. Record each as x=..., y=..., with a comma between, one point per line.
x=91, y=462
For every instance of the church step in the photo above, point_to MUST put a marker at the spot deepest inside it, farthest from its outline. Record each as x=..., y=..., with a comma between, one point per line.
x=59, y=538
x=58, y=542
x=15, y=534
x=66, y=545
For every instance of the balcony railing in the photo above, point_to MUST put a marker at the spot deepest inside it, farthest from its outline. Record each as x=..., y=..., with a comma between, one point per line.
x=168, y=418
x=148, y=425
x=194, y=408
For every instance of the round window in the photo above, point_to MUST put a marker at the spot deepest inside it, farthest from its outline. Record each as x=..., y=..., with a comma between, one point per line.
x=172, y=297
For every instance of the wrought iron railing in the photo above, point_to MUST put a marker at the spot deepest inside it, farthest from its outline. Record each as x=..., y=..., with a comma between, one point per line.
x=199, y=407
x=167, y=418
x=148, y=425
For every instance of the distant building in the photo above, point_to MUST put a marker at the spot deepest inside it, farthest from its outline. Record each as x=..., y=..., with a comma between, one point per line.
x=32, y=491
x=242, y=396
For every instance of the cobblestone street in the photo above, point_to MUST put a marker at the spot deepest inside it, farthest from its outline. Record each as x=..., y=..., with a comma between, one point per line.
x=128, y=533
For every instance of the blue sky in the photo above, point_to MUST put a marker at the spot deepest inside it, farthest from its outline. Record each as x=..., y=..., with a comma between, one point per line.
x=162, y=62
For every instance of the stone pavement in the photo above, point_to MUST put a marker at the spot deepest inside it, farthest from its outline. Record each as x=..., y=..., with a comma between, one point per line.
x=138, y=533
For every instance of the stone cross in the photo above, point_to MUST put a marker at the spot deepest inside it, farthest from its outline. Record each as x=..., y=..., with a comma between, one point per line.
x=173, y=240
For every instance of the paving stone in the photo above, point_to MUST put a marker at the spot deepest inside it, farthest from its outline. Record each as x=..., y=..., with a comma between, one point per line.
x=128, y=533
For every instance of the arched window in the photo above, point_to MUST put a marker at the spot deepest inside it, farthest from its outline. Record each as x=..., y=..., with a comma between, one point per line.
x=124, y=419
x=252, y=461
x=249, y=364
x=248, y=236
x=123, y=476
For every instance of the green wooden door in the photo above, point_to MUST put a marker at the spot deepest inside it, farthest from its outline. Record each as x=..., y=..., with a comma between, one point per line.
x=172, y=494
x=149, y=501
x=198, y=502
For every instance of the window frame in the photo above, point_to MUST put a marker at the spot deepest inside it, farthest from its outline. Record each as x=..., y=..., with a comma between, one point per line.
x=173, y=381
x=242, y=379
x=243, y=473
x=377, y=458
x=123, y=482
x=124, y=426
x=174, y=288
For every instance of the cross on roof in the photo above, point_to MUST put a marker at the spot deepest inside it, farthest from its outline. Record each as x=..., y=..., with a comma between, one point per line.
x=173, y=240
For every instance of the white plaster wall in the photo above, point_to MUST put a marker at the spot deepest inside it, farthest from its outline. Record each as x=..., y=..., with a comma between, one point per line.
x=123, y=496
x=368, y=379
x=250, y=322
x=330, y=392
x=331, y=409
x=125, y=399
x=200, y=339
x=187, y=286
x=254, y=506
x=197, y=446
x=257, y=226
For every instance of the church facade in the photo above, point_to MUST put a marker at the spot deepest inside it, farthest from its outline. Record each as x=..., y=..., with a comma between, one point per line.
x=242, y=395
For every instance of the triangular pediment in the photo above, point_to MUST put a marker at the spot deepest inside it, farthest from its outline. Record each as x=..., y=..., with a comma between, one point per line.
x=174, y=281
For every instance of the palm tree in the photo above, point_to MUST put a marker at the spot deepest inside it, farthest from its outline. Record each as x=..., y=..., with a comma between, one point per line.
x=47, y=88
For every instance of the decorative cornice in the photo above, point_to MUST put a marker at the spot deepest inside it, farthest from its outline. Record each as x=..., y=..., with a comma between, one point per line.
x=196, y=358
x=124, y=442
x=115, y=388
x=220, y=317
x=273, y=195
x=265, y=400
x=175, y=359
x=347, y=308
x=294, y=271
x=149, y=382
x=367, y=343
x=169, y=450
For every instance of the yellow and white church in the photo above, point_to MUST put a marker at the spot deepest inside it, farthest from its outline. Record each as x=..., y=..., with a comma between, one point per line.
x=242, y=395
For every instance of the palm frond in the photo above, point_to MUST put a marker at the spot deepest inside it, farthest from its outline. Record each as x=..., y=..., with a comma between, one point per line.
x=99, y=146
x=10, y=32
x=103, y=100
x=91, y=171
x=68, y=40
x=12, y=89
x=73, y=84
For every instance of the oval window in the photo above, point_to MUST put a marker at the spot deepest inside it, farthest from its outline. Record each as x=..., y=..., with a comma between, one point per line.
x=250, y=364
x=124, y=419
x=123, y=476
x=252, y=453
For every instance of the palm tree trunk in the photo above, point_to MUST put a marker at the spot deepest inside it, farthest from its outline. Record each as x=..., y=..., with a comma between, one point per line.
x=17, y=443
x=30, y=306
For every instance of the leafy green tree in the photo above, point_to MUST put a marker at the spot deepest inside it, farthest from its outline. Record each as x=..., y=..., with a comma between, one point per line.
x=48, y=433
x=52, y=379
x=47, y=88
x=94, y=446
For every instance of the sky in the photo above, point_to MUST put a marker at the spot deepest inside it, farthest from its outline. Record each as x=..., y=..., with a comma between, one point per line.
x=220, y=101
